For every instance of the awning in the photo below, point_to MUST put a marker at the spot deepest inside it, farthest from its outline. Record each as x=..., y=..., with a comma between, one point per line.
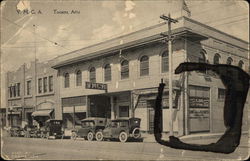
x=41, y=113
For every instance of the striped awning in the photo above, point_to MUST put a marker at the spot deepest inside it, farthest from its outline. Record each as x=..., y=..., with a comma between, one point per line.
x=41, y=113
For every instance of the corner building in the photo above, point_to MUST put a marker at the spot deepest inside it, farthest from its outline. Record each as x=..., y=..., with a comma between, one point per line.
x=119, y=78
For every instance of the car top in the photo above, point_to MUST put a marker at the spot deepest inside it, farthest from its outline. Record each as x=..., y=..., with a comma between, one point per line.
x=126, y=119
x=94, y=118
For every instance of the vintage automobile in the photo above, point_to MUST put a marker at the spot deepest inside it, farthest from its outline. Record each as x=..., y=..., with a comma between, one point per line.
x=121, y=129
x=31, y=131
x=16, y=131
x=52, y=129
x=89, y=128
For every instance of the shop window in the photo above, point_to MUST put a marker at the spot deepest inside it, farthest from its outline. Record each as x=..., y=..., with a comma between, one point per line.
x=123, y=111
x=221, y=93
x=124, y=69
x=78, y=78
x=51, y=83
x=45, y=84
x=144, y=66
x=28, y=88
x=107, y=73
x=164, y=62
x=216, y=58
x=40, y=85
x=92, y=75
x=66, y=80
x=229, y=61
x=241, y=64
x=198, y=97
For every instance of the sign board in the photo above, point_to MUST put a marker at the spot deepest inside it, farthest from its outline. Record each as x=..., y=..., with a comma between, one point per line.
x=99, y=86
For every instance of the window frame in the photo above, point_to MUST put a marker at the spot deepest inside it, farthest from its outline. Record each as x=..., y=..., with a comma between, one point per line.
x=51, y=84
x=165, y=59
x=107, y=73
x=78, y=78
x=216, y=58
x=92, y=74
x=40, y=85
x=45, y=84
x=229, y=59
x=144, y=66
x=124, y=69
x=28, y=87
x=66, y=80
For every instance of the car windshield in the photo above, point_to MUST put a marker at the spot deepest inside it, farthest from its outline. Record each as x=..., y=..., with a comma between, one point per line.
x=119, y=123
x=88, y=123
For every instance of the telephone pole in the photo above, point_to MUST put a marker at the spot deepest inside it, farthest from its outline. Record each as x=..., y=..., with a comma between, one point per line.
x=170, y=20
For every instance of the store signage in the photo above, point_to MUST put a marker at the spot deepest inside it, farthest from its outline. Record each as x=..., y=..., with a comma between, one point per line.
x=99, y=86
x=199, y=113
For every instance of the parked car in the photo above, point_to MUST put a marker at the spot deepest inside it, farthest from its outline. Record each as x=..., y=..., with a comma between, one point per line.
x=31, y=131
x=52, y=128
x=89, y=128
x=16, y=131
x=121, y=129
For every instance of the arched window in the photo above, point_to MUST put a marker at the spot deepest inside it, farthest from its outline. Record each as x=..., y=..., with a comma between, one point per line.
x=144, y=66
x=66, y=80
x=92, y=76
x=78, y=78
x=216, y=59
x=202, y=57
x=124, y=69
x=229, y=61
x=107, y=73
x=241, y=64
x=164, y=62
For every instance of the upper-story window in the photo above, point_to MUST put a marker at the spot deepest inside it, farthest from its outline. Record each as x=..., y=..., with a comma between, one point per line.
x=216, y=58
x=78, y=78
x=202, y=57
x=241, y=64
x=40, y=85
x=66, y=80
x=164, y=62
x=28, y=87
x=10, y=92
x=124, y=69
x=45, y=84
x=107, y=72
x=229, y=61
x=51, y=83
x=92, y=75
x=14, y=91
x=18, y=89
x=144, y=66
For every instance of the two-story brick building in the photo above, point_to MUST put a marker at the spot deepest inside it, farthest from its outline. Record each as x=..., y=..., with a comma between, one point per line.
x=31, y=92
x=119, y=77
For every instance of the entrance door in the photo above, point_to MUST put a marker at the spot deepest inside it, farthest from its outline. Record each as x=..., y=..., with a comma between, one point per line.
x=199, y=109
x=151, y=115
x=29, y=118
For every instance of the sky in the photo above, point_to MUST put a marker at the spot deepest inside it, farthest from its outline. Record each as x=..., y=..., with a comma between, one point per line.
x=95, y=21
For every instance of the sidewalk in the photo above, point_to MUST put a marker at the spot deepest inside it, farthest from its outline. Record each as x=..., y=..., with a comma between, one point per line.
x=149, y=138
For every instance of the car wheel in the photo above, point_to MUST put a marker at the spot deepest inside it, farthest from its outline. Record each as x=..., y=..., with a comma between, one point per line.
x=73, y=135
x=123, y=137
x=90, y=136
x=99, y=136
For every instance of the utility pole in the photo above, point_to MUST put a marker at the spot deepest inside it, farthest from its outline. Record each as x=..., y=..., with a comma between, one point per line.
x=170, y=20
x=35, y=81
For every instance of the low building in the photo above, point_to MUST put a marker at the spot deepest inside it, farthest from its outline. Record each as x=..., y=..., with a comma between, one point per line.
x=119, y=77
x=31, y=92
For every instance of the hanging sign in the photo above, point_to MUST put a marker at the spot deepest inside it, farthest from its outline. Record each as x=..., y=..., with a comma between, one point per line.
x=99, y=86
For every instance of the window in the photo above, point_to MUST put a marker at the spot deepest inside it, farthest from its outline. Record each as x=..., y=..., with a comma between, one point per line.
x=92, y=76
x=18, y=89
x=221, y=93
x=123, y=111
x=28, y=87
x=107, y=73
x=10, y=91
x=124, y=69
x=45, y=84
x=14, y=90
x=202, y=57
x=144, y=66
x=51, y=83
x=164, y=62
x=78, y=78
x=198, y=97
x=241, y=64
x=66, y=80
x=216, y=59
x=229, y=61
x=40, y=85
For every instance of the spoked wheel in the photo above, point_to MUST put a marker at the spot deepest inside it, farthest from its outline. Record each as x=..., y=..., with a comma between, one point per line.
x=73, y=136
x=99, y=136
x=123, y=137
x=90, y=136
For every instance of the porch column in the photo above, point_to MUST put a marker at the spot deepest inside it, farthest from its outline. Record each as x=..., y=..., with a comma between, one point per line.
x=112, y=107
